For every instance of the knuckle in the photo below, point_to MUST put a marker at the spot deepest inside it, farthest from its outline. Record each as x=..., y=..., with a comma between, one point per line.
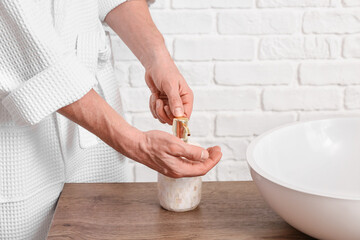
x=195, y=155
x=173, y=148
x=163, y=156
x=165, y=171
x=170, y=172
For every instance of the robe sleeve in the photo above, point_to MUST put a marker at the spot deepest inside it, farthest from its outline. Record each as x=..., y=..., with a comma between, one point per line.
x=105, y=6
x=38, y=75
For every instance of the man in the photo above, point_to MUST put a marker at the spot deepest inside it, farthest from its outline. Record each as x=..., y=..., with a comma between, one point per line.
x=56, y=81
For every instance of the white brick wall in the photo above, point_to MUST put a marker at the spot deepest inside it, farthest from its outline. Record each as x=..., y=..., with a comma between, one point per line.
x=253, y=65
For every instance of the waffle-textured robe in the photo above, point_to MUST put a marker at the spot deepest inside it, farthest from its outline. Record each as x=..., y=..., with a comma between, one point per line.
x=52, y=52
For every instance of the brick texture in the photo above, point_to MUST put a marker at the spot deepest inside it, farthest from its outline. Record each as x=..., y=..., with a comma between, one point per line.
x=304, y=98
x=233, y=74
x=351, y=47
x=214, y=48
x=200, y=4
x=340, y=73
x=277, y=48
x=256, y=22
x=332, y=21
x=293, y=3
x=183, y=22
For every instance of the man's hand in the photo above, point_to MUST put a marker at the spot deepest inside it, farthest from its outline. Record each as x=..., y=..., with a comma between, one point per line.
x=170, y=94
x=173, y=157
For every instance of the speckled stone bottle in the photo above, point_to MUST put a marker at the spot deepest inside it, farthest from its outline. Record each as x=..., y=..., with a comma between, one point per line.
x=179, y=194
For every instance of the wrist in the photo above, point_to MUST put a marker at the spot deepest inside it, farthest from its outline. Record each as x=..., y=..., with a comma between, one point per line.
x=129, y=141
x=159, y=56
x=126, y=138
x=161, y=66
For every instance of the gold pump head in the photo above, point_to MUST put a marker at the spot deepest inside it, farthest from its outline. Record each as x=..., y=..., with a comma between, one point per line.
x=180, y=128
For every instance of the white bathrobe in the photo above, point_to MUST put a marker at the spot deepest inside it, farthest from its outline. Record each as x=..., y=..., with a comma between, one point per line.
x=52, y=52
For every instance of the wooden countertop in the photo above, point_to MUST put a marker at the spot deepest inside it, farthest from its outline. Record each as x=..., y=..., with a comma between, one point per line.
x=228, y=210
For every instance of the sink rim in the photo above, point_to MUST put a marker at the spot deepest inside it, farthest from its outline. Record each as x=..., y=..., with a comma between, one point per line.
x=255, y=167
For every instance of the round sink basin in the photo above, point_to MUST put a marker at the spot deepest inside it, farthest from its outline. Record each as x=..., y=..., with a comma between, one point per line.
x=309, y=174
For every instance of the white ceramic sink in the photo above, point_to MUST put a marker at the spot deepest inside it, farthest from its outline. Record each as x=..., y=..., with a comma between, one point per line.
x=309, y=174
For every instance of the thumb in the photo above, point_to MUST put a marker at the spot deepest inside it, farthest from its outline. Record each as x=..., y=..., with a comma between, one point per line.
x=195, y=152
x=175, y=103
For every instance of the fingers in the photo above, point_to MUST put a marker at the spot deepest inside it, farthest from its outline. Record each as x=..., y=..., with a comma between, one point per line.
x=215, y=155
x=167, y=110
x=163, y=118
x=216, y=148
x=176, y=105
x=177, y=166
x=175, y=102
x=194, y=153
x=156, y=108
x=152, y=105
x=168, y=113
x=159, y=110
x=188, y=100
x=191, y=169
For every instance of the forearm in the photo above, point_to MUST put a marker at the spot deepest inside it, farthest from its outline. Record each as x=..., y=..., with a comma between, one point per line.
x=133, y=23
x=96, y=115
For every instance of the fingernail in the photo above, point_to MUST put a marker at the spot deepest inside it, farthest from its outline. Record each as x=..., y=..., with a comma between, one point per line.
x=204, y=155
x=178, y=112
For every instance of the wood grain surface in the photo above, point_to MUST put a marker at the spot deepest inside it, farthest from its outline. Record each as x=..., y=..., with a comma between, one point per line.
x=228, y=210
